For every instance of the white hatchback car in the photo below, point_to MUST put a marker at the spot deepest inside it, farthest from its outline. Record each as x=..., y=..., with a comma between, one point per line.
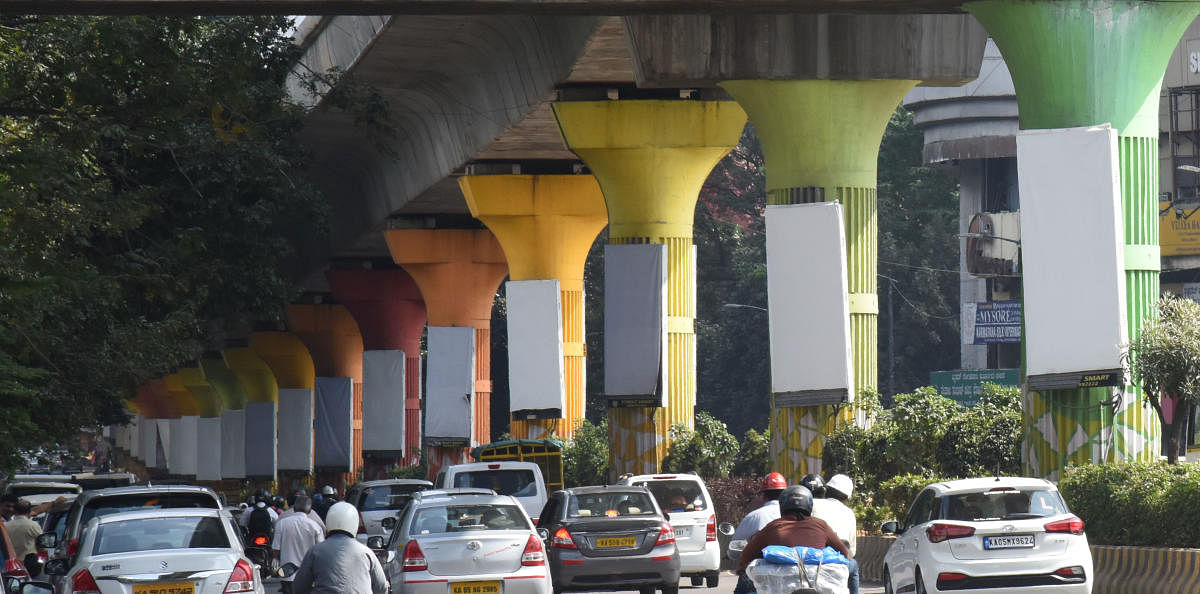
x=690, y=509
x=989, y=535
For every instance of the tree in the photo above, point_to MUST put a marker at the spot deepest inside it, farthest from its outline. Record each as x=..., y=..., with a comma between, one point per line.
x=585, y=457
x=1165, y=359
x=709, y=451
x=149, y=191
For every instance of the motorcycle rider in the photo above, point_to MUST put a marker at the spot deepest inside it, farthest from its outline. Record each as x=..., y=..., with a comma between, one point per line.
x=840, y=517
x=773, y=484
x=795, y=527
x=295, y=535
x=341, y=564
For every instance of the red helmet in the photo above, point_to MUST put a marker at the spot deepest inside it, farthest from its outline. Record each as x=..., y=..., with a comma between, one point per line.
x=774, y=481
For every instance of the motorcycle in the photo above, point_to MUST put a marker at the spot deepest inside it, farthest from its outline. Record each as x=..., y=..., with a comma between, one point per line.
x=801, y=577
x=258, y=551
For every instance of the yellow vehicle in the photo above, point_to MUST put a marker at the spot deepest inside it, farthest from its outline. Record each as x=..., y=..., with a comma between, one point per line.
x=546, y=453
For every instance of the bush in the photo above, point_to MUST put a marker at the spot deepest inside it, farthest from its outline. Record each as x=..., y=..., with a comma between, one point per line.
x=1136, y=503
x=986, y=438
x=754, y=456
x=585, y=456
x=708, y=451
x=731, y=496
x=897, y=494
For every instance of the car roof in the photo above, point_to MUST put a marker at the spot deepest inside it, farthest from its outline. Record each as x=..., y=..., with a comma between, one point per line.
x=470, y=498
x=676, y=476
x=503, y=464
x=146, y=489
x=983, y=484
x=455, y=492
x=606, y=489
x=382, y=482
x=48, y=484
x=159, y=513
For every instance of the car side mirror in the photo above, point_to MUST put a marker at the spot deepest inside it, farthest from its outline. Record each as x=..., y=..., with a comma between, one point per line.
x=388, y=523
x=56, y=567
x=48, y=540
x=891, y=527
x=725, y=528
x=543, y=533
x=288, y=570
x=375, y=543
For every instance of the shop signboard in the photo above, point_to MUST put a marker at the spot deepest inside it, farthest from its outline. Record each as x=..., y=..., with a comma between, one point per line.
x=964, y=386
x=991, y=322
x=1178, y=230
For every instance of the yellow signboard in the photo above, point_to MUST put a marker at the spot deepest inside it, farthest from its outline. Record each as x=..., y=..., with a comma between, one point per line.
x=1179, y=234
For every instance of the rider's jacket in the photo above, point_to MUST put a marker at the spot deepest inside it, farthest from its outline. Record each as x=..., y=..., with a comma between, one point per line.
x=788, y=531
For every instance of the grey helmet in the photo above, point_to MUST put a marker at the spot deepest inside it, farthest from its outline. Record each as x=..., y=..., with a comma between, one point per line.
x=796, y=499
x=814, y=484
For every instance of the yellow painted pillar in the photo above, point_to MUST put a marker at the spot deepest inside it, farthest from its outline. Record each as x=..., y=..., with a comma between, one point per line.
x=651, y=158
x=546, y=225
x=262, y=404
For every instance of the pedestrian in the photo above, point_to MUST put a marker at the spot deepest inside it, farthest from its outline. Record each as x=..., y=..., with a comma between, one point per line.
x=23, y=533
x=295, y=535
x=340, y=564
x=8, y=503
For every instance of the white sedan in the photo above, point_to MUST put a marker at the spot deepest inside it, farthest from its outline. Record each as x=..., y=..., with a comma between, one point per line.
x=994, y=535
x=162, y=551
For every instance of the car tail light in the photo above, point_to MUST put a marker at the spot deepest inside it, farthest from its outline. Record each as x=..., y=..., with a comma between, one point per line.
x=260, y=540
x=951, y=576
x=562, y=540
x=15, y=568
x=710, y=530
x=1072, y=525
x=940, y=532
x=414, y=557
x=43, y=557
x=242, y=578
x=84, y=583
x=72, y=547
x=534, y=553
x=666, y=535
x=1075, y=571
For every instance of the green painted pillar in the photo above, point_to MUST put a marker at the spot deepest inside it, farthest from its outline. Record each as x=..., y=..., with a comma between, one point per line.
x=1082, y=63
x=821, y=143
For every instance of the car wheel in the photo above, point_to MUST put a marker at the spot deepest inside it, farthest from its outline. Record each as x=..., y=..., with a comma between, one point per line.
x=697, y=581
x=887, y=582
x=670, y=589
x=712, y=578
x=920, y=582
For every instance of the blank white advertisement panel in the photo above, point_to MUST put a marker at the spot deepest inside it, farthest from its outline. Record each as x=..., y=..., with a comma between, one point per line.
x=208, y=460
x=233, y=444
x=383, y=402
x=535, y=353
x=808, y=299
x=135, y=436
x=295, y=429
x=162, y=457
x=1072, y=255
x=635, y=324
x=334, y=422
x=261, y=437
x=450, y=386
x=184, y=441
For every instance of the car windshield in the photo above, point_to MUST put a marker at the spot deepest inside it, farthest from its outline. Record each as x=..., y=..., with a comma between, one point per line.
x=677, y=495
x=518, y=482
x=156, y=534
x=1004, y=504
x=104, y=506
x=468, y=518
x=387, y=497
x=610, y=505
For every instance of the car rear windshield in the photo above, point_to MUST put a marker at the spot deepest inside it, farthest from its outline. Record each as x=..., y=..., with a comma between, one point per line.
x=677, y=495
x=610, y=505
x=156, y=534
x=20, y=491
x=391, y=497
x=468, y=518
x=1004, y=504
x=518, y=482
x=103, y=506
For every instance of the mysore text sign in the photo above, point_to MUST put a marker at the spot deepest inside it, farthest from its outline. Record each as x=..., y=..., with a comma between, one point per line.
x=964, y=386
x=991, y=322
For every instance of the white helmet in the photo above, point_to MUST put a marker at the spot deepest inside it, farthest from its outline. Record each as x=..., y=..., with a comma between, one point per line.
x=328, y=490
x=842, y=484
x=342, y=516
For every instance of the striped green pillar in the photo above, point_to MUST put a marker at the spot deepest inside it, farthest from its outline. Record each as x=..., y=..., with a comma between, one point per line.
x=821, y=143
x=1082, y=63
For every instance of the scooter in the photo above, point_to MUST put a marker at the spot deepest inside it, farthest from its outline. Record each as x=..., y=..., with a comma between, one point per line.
x=774, y=578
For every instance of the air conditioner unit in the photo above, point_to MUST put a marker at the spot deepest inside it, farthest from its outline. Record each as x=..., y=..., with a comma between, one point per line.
x=993, y=243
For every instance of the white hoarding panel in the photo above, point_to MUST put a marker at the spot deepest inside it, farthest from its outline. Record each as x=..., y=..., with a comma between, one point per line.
x=135, y=436
x=635, y=324
x=1072, y=257
x=450, y=386
x=809, y=305
x=296, y=429
x=233, y=444
x=183, y=441
x=334, y=410
x=208, y=439
x=162, y=457
x=261, y=437
x=537, y=389
x=383, y=403
x=149, y=441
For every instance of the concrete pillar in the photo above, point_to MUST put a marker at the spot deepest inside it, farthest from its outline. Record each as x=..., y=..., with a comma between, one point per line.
x=546, y=224
x=1083, y=63
x=458, y=271
x=388, y=307
x=208, y=426
x=295, y=374
x=651, y=157
x=335, y=343
x=233, y=414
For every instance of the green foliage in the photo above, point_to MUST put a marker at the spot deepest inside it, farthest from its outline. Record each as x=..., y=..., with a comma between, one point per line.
x=896, y=494
x=905, y=437
x=1165, y=358
x=986, y=438
x=731, y=496
x=419, y=471
x=1136, y=503
x=754, y=455
x=585, y=457
x=708, y=451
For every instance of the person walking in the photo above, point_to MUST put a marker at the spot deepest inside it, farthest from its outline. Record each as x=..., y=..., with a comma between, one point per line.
x=23, y=533
x=295, y=535
x=340, y=564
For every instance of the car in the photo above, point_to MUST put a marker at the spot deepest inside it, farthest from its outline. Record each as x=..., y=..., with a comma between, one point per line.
x=609, y=538
x=464, y=543
x=380, y=502
x=689, y=507
x=522, y=480
x=40, y=492
x=989, y=535
x=181, y=551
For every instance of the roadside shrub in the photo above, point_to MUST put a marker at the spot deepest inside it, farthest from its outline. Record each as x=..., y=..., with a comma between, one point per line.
x=585, y=456
x=985, y=439
x=841, y=452
x=708, y=451
x=1136, y=503
x=754, y=455
x=896, y=494
x=731, y=496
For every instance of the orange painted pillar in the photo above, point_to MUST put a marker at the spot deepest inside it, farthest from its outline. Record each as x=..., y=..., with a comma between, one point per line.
x=459, y=271
x=335, y=343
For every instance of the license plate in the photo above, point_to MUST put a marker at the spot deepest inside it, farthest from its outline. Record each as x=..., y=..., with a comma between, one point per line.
x=475, y=588
x=613, y=542
x=682, y=531
x=165, y=588
x=1010, y=541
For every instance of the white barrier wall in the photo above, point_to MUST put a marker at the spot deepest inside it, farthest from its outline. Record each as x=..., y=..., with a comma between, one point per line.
x=296, y=429
x=261, y=440
x=808, y=298
x=383, y=402
x=450, y=386
x=184, y=442
x=135, y=437
x=334, y=423
x=537, y=387
x=209, y=446
x=1072, y=257
x=635, y=324
x=162, y=456
x=233, y=444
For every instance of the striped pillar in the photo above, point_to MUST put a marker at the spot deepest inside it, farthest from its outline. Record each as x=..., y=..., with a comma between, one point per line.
x=546, y=225
x=821, y=143
x=651, y=157
x=1082, y=63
